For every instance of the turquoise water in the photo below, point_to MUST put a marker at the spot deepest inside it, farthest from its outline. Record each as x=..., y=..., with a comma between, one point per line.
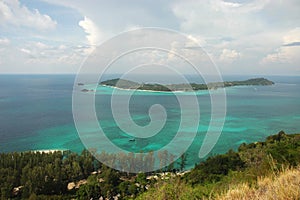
x=36, y=113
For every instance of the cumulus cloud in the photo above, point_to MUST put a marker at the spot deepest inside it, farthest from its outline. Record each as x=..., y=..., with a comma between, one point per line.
x=41, y=53
x=223, y=26
x=247, y=33
x=228, y=55
x=234, y=32
x=94, y=34
x=288, y=52
x=215, y=17
x=12, y=12
x=292, y=36
x=197, y=39
x=283, y=55
x=4, y=41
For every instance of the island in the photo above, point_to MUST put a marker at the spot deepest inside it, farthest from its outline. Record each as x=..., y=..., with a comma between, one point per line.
x=127, y=84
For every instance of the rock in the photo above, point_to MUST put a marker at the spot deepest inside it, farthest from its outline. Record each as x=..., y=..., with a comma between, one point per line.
x=101, y=180
x=81, y=182
x=16, y=190
x=71, y=186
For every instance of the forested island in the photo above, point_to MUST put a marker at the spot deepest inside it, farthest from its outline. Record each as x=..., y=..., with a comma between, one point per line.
x=257, y=170
x=127, y=84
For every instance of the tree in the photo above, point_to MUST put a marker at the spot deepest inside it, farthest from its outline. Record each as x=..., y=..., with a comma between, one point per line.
x=111, y=181
x=141, y=179
x=90, y=190
x=183, y=159
x=124, y=188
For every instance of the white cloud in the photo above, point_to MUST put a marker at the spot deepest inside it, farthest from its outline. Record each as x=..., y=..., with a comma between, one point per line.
x=41, y=45
x=4, y=41
x=245, y=33
x=292, y=36
x=234, y=32
x=39, y=56
x=223, y=27
x=286, y=53
x=27, y=51
x=283, y=55
x=245, y=7
x=217, y=17
x=12, y=12
x=94, y=34
x=197, y=39
x=228, y=55
x=132, y=27
x=37, y=49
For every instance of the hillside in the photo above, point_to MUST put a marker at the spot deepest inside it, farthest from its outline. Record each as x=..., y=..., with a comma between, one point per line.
x=281, y=186
x=260, y=168
x=257, y=171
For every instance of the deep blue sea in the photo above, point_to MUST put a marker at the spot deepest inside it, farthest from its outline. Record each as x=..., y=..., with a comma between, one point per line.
x=36, y=113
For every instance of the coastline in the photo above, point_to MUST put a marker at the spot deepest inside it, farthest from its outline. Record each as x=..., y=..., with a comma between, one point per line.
x=157, y=91
x=152, y=91
x=128, y=85
x=48, y=150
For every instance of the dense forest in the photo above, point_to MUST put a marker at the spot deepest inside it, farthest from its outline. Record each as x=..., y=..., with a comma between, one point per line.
x=67, y=175
x=126, y=84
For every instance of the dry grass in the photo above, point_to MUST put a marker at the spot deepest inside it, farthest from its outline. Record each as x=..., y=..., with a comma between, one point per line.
x=283, y=186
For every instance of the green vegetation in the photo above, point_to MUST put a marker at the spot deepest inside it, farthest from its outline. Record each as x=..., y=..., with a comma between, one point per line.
x=126, y=84
x=245, y=170
x=280, y=186
x=121, y=83
x=66, y=175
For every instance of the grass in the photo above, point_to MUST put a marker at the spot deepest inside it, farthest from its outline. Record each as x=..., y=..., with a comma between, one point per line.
x=260, y=171
x=284, y=185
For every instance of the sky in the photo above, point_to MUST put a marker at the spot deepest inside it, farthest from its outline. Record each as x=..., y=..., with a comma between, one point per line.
x=240, y=36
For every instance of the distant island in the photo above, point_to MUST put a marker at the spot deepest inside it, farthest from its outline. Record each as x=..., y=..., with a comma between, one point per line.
x=127, y=84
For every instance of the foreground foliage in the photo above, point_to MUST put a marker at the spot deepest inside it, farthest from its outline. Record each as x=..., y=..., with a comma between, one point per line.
x=255, y=169
x=282, y=186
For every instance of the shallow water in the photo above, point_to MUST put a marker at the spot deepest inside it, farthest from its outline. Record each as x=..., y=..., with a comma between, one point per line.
x=36, y=113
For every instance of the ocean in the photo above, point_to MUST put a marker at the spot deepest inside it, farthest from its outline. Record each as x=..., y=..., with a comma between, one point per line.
x=36, y=113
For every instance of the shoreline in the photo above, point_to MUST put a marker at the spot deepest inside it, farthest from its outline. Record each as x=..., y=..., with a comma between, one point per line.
x=152, y=91
x=48, y=150
x=175, y=88
x=180, y=91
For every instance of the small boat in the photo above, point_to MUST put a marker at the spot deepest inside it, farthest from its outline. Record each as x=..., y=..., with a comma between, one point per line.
x=132, y=140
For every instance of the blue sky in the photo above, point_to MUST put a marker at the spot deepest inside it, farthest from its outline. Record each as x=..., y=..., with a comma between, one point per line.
x=241, y=36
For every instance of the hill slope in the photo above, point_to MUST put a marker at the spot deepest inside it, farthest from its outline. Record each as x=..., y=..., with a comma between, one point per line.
x=261, y=170
x=283, y=186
